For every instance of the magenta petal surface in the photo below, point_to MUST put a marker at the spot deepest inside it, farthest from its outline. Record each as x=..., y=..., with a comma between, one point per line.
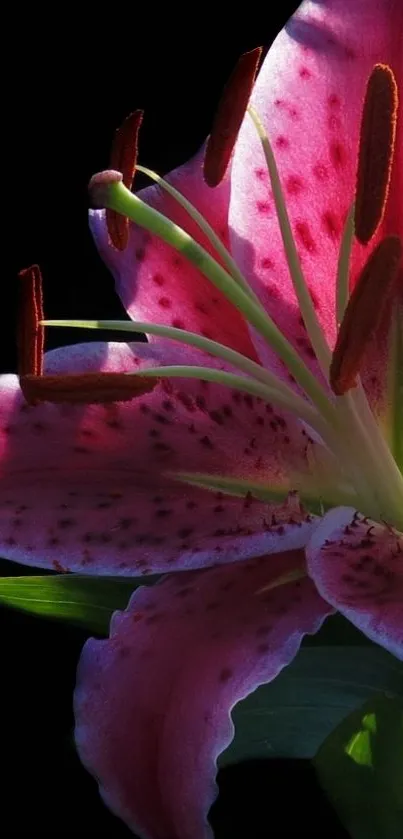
x=157, y=284
x=86, y=488
x=309, y=95
x=357, y=566
x=153, y=702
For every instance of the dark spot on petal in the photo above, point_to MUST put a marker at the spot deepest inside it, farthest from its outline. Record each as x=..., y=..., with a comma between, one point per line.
x=201, y=307
x=65, y=523
x=337, y=154
x=206, y=442
x=263, y=207
x=305, y=236
x=331, y=225
x=225, y=674
x=320, y=171
x=334, y=101
x=281, y=142
x=201, y=402
x=294, y=185
x=162, y=447
x=184, y=532
x=39, y=427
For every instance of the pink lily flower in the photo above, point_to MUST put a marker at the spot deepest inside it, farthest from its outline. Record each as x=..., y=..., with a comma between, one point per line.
x=267, y=389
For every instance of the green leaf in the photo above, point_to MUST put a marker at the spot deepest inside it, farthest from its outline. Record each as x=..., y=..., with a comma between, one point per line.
x=83, y=600
x=360, y=766
x=293, y=715
x=337, y=631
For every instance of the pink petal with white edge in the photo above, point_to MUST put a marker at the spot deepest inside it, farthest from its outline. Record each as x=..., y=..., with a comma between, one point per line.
x=157, y=284
x=84, y=488
x=153, y=702
x=309, y=94
x=357, y=566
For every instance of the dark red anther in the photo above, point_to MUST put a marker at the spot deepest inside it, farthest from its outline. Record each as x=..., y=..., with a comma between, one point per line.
x=123, y=159
x=30, y=334
x=81, y=388
x=228, y=119
x=377, y=142
x=85, y=388
x=364, y=312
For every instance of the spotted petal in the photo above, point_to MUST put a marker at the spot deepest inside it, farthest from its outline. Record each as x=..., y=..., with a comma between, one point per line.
x=357, y=566
x=87, y=487
x=309, y=95
x=152, y=703
x=155, y=283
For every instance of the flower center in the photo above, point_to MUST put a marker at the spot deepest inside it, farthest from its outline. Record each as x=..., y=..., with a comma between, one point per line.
x=364, y=469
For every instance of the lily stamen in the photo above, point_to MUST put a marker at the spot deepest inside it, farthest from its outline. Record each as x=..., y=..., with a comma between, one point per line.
x=211, y=235
x=84, y=388
x=280, y=392
x=107, y=189
x=30, y=332
x=312, y=325
x=123, y=159
x=377, y=141
x=364, y=313
x=229, y=116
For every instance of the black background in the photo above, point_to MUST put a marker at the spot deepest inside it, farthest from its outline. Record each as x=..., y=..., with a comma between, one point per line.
x=70, y=83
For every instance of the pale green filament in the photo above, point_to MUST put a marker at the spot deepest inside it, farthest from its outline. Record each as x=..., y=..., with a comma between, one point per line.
x=313, y=496
x=211, y=235
x=395, y=387
x=281, y=394
x=355, y=466
x=313, y=327
x=220, y=377
x=120, y=199
x=377, y=465
x=343, y=266
x=284, y=579
x=386, y=478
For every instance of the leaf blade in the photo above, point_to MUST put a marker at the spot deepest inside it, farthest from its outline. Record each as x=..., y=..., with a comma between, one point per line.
x=85, y=601
x=293, y=715
x=360, y=767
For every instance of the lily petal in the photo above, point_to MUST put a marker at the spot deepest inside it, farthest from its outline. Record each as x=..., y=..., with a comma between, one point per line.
x=153, y=702
x=86, y=487
x=357, y=566
x=309, y=94
x=155, y=283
